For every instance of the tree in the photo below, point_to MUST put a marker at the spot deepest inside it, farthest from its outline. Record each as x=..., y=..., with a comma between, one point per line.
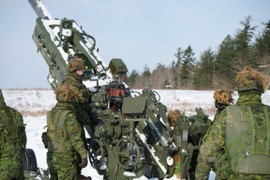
x=179, y=57
x=204, y=75
x=243, y=43
x=224, y=70
x=187, y=66
x=131, y=79
x=176, y=68
x=146, y=71
x=262, y=45
x=235, y=53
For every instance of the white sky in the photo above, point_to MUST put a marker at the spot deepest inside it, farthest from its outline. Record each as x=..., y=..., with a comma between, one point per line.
x=140, y=32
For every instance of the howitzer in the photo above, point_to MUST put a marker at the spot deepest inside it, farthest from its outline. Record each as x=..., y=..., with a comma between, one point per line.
x=132, y=128
x=152, y=130
x=59, y=40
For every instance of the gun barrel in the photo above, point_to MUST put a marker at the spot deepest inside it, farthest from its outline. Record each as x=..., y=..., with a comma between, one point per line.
x=40, y=9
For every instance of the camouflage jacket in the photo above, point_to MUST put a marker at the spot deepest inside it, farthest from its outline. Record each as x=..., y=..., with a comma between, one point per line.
x=75, y=80
x=213, y=153
x=64, y=130
x=83, y=108
x=12, y=129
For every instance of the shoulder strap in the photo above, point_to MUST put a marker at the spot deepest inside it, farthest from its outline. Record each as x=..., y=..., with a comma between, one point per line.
x=267, y=123
x=57, y=129
x=62, y=116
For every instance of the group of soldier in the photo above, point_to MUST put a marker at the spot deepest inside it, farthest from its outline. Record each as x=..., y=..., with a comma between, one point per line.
x=235, y=146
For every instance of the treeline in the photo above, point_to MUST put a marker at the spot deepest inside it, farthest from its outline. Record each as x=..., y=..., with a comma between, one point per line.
x=214, y=68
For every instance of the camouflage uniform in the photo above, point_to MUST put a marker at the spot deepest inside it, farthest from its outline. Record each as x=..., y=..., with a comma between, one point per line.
x=223, y=98
x=12, y=142
x=229, y=138
x=197, y=126
x=73, y=79
x=86, y=113
x=64, y=136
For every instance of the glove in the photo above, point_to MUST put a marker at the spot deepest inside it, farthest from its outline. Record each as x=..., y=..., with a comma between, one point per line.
x=83, y=163
x=45, y=139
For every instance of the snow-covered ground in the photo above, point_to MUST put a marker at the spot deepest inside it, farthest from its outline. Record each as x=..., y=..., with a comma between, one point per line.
x=34, y=104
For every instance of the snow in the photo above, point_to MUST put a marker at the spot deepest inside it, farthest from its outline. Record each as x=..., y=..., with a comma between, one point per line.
x=34, y=103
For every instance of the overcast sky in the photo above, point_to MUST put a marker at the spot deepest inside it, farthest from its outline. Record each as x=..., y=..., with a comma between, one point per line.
x=140, y=32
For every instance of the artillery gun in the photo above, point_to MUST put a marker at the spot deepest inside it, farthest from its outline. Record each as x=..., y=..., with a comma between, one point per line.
x=137, y=125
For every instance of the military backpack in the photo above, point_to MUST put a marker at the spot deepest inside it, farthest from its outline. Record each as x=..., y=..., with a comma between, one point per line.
x=10, y=126
x=56, y=133
x=248, y=139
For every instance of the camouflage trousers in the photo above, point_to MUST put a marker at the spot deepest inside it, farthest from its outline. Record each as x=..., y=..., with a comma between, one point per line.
x=11, y=162
x=62, y=166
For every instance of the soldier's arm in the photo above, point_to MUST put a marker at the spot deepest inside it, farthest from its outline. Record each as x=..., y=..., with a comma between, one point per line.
x=212, y=145
x=74, y=130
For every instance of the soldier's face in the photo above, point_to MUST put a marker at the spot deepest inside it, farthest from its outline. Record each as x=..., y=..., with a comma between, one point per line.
x=80, y=72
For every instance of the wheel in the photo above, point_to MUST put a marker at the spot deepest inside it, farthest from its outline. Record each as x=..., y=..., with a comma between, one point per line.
x=96, y=153
x=30, y=161
x=127, y=153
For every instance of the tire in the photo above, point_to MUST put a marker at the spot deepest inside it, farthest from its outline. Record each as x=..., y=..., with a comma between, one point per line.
x=30, y=161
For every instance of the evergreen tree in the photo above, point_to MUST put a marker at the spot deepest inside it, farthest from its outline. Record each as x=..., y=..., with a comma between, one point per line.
x=179, y=57
x=146, y=71
x=143, y=81
x=187, y=67
x=224, y=71
x=235, y=53
x=176, y=68
x=204, y=75
x=262, y=45
x=132, y=77
x=243, y=43
x=213, y=70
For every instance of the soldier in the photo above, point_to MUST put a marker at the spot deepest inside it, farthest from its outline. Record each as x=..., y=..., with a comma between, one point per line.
x=173, y=117
x=240, y=134
x=12, y=142
x=197, y=126
x=74, y=78
x=86, y=114
x=223, y=98
x=85, y=110
x=64, y=136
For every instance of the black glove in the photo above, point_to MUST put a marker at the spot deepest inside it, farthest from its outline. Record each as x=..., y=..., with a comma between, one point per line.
x=83, y=163
x=45, y=139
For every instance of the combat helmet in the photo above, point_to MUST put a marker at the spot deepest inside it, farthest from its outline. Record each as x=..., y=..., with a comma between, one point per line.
x=223, y=96
x=174, y=116
x=75, y=64
x=67, y=93
x=251, y=79
x=2, y=100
